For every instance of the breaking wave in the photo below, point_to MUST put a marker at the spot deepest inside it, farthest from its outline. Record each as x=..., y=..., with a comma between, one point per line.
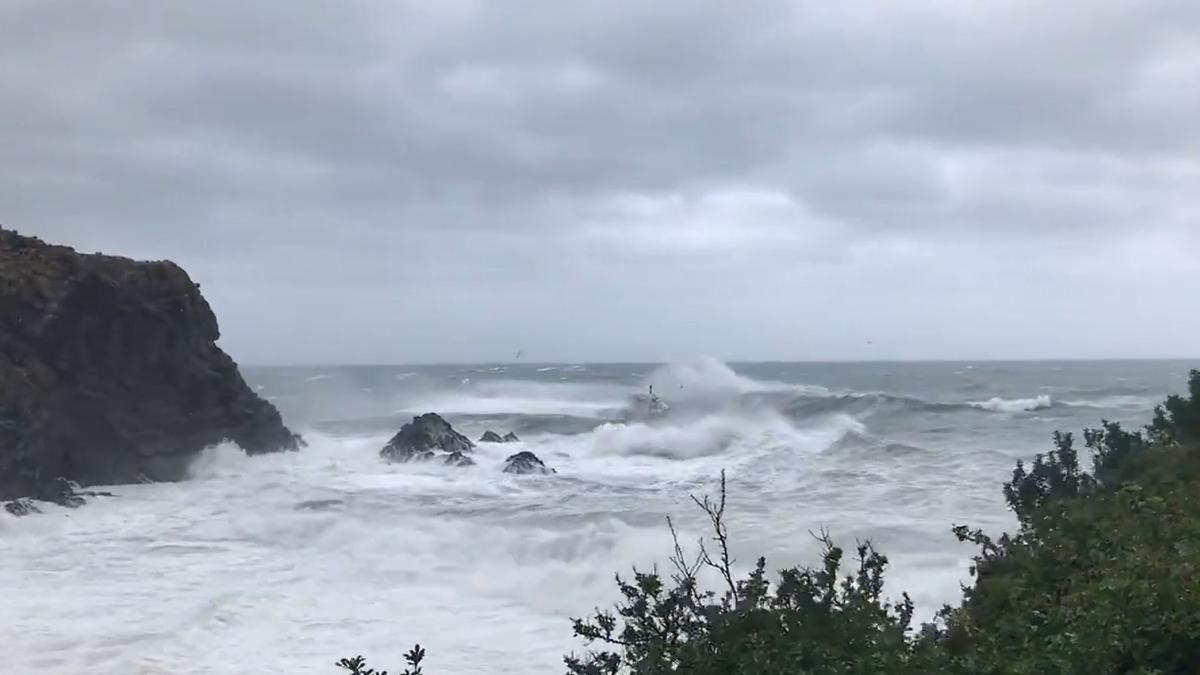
x=730, y=434
x=1015, y=404
x=705, y=378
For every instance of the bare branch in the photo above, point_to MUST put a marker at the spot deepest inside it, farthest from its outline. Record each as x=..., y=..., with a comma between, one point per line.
x=716, y=516
x=685, y=571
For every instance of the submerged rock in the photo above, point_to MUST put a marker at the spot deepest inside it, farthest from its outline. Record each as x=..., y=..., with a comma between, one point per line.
x=21, y=507
x=458, y=459
x=319, y=504
x=493, y=437
x=62, y=492
x=424, y=438
x=110, y=373
x=524, y=463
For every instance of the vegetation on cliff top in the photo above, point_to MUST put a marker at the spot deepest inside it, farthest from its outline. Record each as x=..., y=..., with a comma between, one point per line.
x=1102, y=576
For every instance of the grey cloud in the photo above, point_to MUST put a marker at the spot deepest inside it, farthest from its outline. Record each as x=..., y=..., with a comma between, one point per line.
x=705, y=169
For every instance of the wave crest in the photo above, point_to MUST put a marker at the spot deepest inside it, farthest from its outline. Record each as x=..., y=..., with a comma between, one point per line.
x=1011, y=405
x=718, y=434
x=704, y=378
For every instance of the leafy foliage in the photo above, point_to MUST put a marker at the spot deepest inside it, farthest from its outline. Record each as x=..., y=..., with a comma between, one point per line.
x=1103, y=575
x=1106, y=584
x=1177, y=421
x=812, y=618
x=1051, y=476
x=358, y=665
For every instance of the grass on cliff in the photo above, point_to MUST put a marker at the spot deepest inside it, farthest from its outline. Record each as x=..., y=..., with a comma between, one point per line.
x=1102, y=576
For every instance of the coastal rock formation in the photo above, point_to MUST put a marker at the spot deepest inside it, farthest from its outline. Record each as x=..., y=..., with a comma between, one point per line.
x=110, y=373
x=493, y=437
x=21, y=507
x=525, y=463
x=427, y=437
x=458, y=459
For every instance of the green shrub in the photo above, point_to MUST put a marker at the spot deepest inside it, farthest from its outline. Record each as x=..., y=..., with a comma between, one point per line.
x=1103, y=574
x=358, y=665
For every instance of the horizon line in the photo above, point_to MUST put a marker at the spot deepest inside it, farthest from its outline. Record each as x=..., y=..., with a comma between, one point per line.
x=428, y=364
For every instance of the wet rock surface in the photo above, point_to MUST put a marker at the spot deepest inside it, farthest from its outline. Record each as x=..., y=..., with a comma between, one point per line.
x=110, y=373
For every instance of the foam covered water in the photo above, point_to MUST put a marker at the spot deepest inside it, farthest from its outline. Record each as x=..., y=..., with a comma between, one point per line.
x=285, y=563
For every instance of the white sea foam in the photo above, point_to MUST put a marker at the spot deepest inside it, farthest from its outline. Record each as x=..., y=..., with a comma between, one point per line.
x=1015, y=404
x=1114, y=402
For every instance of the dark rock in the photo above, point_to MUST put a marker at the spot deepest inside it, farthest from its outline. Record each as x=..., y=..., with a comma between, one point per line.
x=94, y=493
x=21, y=507
x=60, y=491
x=493, y=437
x=110, y=373
x=525, y=462
x=318, y=504
x=458, y=459
x=424, y=438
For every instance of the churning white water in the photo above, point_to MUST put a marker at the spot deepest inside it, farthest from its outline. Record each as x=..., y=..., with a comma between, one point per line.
x=285, y=563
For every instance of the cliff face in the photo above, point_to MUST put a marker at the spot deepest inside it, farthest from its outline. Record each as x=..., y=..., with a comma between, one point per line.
x=110, y=372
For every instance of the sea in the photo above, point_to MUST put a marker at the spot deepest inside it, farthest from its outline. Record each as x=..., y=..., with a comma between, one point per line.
x=286, y=563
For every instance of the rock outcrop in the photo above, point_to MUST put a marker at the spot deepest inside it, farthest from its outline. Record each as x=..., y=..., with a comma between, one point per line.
x=110, y=373
x=525, y=463
x=493, y=437
x=21, y=507
x=458, y=459
x=428, y=437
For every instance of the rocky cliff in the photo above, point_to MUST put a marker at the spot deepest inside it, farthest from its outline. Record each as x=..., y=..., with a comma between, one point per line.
x=110, y=373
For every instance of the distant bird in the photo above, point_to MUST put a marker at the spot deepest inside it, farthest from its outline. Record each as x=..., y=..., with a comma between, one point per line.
x=520, y=353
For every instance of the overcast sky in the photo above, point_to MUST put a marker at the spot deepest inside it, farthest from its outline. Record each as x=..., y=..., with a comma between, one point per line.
x=453, y=180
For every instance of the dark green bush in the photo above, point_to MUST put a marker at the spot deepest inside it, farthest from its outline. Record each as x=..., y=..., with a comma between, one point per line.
x=1103, y=574
x=358, y=665
x=1105, y=584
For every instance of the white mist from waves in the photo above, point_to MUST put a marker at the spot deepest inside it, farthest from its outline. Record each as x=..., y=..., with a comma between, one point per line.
x=495, y=397
x=709, y=377
x=705, y=380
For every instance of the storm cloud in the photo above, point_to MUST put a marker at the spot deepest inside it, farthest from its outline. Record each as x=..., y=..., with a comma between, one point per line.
x=452, y=180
